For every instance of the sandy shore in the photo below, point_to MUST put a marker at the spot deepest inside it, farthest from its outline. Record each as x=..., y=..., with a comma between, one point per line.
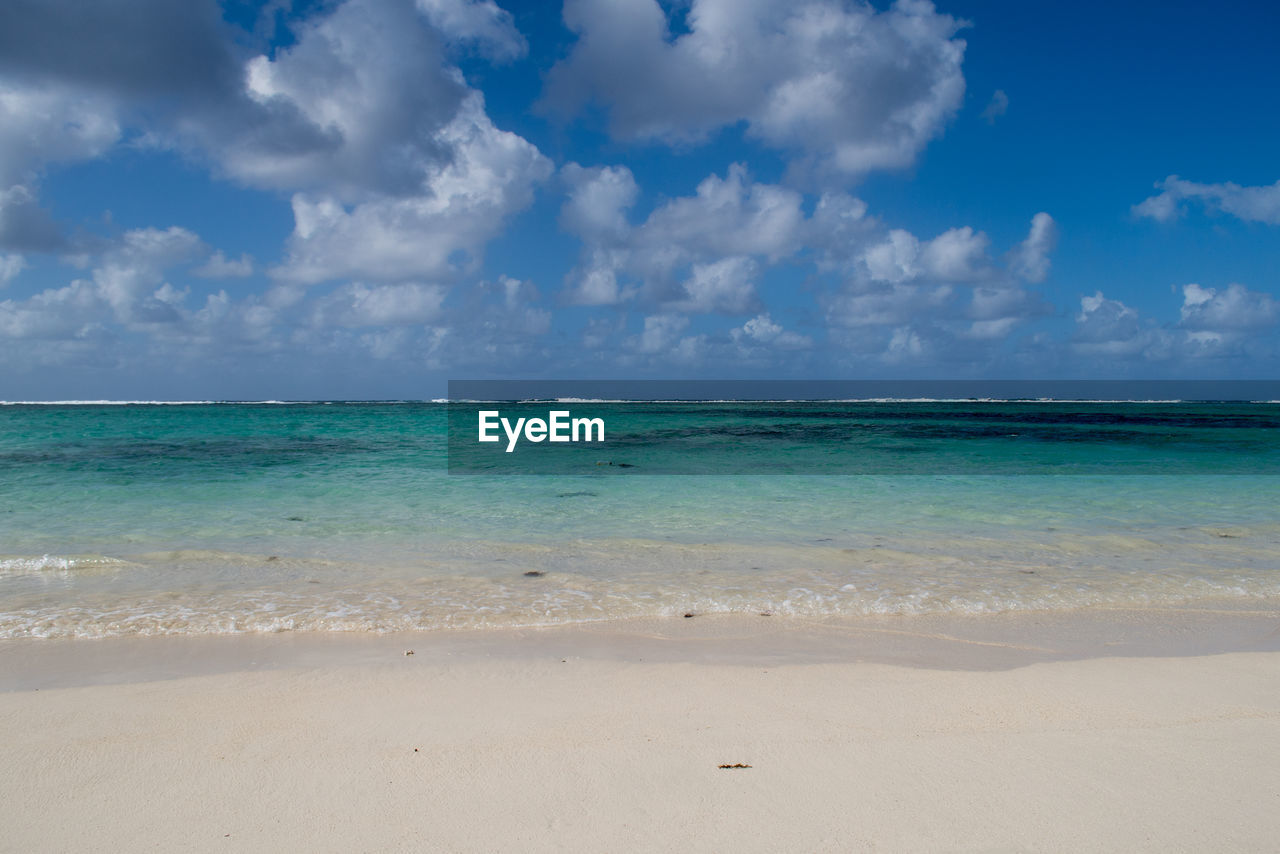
x=610, y=739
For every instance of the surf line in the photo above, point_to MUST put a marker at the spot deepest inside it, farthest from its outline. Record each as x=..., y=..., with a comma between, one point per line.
x=558, y=426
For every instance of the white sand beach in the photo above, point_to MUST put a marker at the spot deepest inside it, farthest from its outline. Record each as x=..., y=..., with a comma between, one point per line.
x=608, y=739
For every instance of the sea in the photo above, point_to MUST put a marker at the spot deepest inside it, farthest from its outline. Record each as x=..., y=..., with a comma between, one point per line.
x=197, y=518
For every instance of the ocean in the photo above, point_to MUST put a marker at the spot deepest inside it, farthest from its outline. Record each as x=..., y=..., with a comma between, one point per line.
x=211, y=518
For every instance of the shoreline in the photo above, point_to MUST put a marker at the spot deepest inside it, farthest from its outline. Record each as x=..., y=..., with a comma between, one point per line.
x=980, y=642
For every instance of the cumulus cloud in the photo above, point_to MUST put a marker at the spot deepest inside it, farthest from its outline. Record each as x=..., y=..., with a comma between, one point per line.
x=956, y=255
x=695, y=253
x=849, y=88
x=128, y=276
x=461, y=205
x=597, y=201
x=43, y=124
x=1251, y=204
x=403, y=173
x=1235, y=309
x=1030, y=260
x=661, y=341
x=905, y=345
x=763, y=330
x=1109, y=328
x=356, y=304
x=219, y=266
x=661, y=332
x=352, y=108
x=396, y=169
x=726, y=286
x=1213, y=324
x=707, y=252
x=126, y=288
x=907, y=300
x=899, y=304
x=476, y=22
x=10, y=266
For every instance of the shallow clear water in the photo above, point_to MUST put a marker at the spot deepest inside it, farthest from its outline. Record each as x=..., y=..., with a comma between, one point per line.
x=223, y=518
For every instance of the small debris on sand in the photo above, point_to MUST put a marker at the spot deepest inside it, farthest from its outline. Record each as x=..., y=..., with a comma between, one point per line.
x=690, y=614
x=272, y=557
x=408, y=652
x=766, y=613
x=534, y=573
x=735, y=765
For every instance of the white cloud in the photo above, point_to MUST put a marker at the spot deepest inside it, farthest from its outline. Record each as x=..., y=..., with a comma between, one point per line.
x=894, y=258
x=898, y=304
x=219, y=266
x=1235, y=309
x=1251, y=204
x=53, y=313
x=1030, y=260
x=356, y=304
x=838, y=226
x=956, y=255
x=129, y=274
x=762, y=330
x=661, y=333
x=705, y=253
x=906, y=345
x=396, y=170
x=726, y=286
x=461, y=205
x=850, y=88
x=353, y=108
x=478, y=22
x=597, y=201
x=10, y=266
x=995, y=329
x=1109, y=328
x=43, y=124
x=910, y=301
x=996, y=107
x=713, y=237
x=126, y=289
x=364, y=117
x=731, y=216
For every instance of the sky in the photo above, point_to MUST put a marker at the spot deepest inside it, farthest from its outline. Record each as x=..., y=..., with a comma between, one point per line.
x=364, y=199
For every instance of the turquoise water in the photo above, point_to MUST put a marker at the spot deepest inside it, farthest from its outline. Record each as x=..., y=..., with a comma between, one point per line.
x=148, y=519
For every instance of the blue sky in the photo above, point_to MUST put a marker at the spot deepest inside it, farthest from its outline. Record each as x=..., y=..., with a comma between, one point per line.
x=363, y=199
